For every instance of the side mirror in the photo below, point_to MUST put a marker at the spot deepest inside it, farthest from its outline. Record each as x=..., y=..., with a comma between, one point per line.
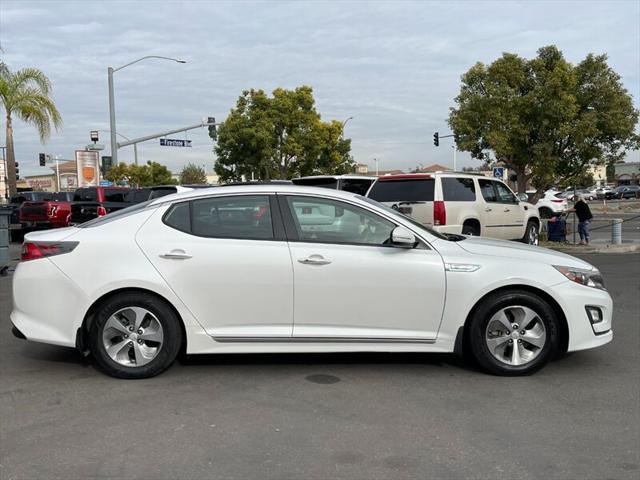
x=523, y=197
x=403, y=238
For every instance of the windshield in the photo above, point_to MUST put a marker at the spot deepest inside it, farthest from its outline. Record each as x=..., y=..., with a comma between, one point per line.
x=115, y=215
x=404, y=217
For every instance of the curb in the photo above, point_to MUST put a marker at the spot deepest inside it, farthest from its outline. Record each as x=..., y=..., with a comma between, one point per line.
x=608, y=248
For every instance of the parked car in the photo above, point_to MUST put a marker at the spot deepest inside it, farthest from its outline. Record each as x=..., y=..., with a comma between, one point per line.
x=137, y=195
x=53, y=211
x=215, y=271
x=552, y=204
x=573, y=195
x=459, y=203
x=91, y=202
x=14, y=204
x=604, y=192
x=359, y=184
x=627, y=191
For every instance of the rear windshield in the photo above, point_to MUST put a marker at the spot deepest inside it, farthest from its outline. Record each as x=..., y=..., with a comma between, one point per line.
x=115, y=195
x=85, y=195
x=139, y=195
x=359, y=186
x=62, y=196
x=124, y=212
x=317, y=182
x=411, y=190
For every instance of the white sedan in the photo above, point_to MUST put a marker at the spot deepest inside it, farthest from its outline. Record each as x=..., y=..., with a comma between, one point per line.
x=280, y=268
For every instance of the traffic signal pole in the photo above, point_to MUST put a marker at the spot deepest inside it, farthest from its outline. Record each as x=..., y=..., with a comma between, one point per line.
x=436, y=142
x=135, y=141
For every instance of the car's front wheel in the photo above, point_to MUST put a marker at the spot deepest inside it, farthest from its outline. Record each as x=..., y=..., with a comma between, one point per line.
x=135, y=335
x=513, y=333
x=531, y=235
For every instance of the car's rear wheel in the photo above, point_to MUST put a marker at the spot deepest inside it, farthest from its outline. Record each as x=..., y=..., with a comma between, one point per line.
x=532, y=234
x=471, y=229
x=513, y=333
x=135, y=335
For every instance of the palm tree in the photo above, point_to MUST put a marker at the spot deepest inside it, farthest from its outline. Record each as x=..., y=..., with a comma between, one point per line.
x=26, y=94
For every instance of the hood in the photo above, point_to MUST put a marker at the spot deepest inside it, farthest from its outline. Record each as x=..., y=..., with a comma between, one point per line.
x=520, y=251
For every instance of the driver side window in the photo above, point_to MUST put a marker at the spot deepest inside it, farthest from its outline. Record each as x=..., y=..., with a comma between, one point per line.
x=320, y=220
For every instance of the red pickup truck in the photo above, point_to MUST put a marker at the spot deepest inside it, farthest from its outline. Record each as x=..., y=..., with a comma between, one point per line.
x=52, y=211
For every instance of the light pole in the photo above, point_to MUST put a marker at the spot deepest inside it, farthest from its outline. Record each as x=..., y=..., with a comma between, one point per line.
x=135, y=146
x=112, y=109
x=345, y=122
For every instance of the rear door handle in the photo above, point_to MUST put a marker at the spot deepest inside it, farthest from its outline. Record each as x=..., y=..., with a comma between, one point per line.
x=488, y=209
x=507, y=210
x=314, y=260
x=176, y=255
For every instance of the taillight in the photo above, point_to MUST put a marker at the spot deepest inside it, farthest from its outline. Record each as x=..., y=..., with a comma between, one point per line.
x=102, y=211
x=35, y=250
x=439, y=213
x=558, y=201
x=52, y=210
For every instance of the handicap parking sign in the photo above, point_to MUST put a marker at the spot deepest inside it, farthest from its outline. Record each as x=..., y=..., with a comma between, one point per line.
x=498, y=172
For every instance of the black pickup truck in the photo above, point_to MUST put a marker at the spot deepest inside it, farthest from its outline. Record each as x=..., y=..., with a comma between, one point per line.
x=92, y=202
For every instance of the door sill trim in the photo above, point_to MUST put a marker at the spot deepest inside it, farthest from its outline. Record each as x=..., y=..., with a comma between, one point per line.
x=229, y=339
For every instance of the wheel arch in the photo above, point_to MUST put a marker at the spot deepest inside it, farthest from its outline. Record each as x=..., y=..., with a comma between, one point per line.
x=83, y=332
x=472, y=221
x=461, y=345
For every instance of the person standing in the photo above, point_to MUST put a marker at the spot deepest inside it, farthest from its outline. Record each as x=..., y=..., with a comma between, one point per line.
x=583, y=212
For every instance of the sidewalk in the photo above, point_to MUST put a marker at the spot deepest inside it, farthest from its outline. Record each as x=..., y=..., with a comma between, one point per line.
x=592, y=248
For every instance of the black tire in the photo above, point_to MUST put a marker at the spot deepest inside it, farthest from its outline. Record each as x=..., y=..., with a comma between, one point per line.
x=168, y=351
x=531, y=234
x=470, y=229
x=545, y=212
x=478, y=324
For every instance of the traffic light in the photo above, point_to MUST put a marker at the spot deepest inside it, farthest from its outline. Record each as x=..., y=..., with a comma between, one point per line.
x=213, y=133
x=436, y=139
x=107, y=163
x=43, y=159
x=17, y=169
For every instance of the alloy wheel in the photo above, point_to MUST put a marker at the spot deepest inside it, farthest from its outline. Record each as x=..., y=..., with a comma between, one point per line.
x=533, y=236
x=132, y=336
x=515, y=335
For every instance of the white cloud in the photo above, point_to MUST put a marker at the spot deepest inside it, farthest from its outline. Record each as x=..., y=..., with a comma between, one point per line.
x=393, y=66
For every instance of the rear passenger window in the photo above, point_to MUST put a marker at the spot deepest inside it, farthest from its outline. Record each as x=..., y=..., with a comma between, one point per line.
x=487, y=190
x=179, y=217
x=243, y=217
x=458, y=190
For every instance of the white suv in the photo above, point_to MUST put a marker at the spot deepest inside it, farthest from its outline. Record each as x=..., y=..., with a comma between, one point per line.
x=552, y=204
x=460, y=203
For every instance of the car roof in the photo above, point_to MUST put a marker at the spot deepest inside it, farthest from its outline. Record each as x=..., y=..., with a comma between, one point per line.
x=254, y=189
x=337, y=177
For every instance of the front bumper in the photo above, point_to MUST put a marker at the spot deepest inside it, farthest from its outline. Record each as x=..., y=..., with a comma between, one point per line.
x=574, y=300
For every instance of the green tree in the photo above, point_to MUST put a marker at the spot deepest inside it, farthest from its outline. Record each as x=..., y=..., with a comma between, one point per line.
x=192, y=174
x=159, y=175
x=545, y=118
x=27, y=95
x=281, y=136
x=148, y=175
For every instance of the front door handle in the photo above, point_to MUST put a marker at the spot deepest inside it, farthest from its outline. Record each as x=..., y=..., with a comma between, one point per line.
x=488, y=209
x=507, y=210
x=314, y=260
x=176, y=254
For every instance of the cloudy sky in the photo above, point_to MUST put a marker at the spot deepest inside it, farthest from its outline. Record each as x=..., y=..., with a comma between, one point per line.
x=393, y=66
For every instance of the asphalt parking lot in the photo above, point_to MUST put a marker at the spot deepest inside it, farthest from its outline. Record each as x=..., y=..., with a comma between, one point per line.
x=327, y=416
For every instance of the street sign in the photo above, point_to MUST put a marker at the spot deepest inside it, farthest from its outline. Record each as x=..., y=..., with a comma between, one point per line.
x=105, y=183
x=87, y=166
x=498, y=172
x=170, y=142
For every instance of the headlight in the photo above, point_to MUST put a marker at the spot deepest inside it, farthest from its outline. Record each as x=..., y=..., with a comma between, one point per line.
x=589, y=278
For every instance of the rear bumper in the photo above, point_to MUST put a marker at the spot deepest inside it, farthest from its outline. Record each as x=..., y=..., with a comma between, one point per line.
x=43, y=301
